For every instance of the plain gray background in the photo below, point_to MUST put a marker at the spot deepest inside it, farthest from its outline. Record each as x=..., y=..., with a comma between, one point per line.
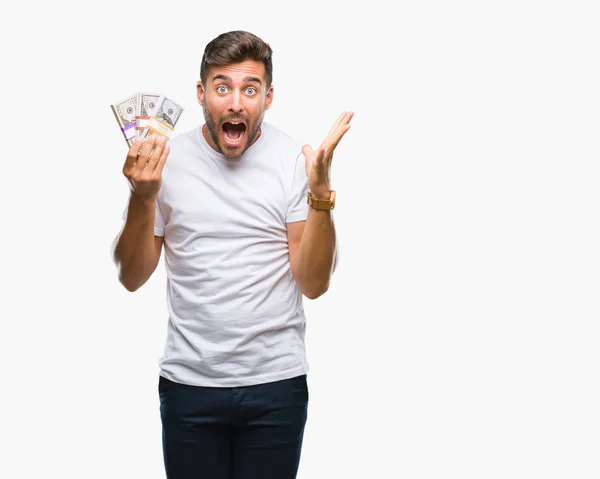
x=460, y=335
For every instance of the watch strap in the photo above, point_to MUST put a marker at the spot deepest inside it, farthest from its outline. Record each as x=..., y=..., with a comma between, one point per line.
x=319, y=204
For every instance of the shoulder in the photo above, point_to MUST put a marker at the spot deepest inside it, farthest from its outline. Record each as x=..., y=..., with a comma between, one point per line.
x=183, y=146
x=186, y=140
x=287, y=145
x=286, y=153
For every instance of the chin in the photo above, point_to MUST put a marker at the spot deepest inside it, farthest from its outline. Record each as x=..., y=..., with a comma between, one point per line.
x=231, y=151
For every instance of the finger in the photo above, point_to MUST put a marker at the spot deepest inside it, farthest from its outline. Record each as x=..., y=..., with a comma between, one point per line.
x=339, y=127
x=340, y=132
x=156, y=153
x=342, y=127
x=145, y=152
x=163, y=159
x=333, y=128
x=307, y=150
x=338, y=136
x=337, y=122
x=132, y=154
x=343, y=120
x=333, y=142
x=348, y=117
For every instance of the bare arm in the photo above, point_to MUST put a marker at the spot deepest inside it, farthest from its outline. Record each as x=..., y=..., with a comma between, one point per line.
x=313, y=252
x=136, y=250
x=313, y=243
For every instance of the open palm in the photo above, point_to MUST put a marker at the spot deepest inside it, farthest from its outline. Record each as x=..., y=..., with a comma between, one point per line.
x=318, y=162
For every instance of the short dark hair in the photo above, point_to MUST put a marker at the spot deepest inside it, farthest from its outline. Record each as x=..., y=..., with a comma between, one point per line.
x=235, y=47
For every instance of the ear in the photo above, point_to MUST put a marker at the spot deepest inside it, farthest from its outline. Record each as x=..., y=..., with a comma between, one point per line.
x=200, y=92
x=269, y=98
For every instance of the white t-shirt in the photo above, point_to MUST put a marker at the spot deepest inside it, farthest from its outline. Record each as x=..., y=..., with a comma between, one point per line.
x=236, y=316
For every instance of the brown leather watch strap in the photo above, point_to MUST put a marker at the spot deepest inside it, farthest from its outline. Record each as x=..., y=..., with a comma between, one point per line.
x=321, y=204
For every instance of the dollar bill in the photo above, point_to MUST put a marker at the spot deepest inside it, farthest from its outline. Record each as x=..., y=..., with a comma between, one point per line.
x=168, y=111
x=147, y=105
x=164, y=120
x=125, y=113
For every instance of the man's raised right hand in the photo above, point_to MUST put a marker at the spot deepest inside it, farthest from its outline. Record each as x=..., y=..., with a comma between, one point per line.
x=143, y=166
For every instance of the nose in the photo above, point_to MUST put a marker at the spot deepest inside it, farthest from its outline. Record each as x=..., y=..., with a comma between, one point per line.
x=236, y=102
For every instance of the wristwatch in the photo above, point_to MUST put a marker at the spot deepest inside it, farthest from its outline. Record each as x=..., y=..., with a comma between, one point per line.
x=321, y=204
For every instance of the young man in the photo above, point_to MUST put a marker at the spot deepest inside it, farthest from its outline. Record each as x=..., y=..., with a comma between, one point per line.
x=244, y=214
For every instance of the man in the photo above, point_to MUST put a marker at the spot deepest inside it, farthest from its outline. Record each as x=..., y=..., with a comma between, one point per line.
x=242, y=246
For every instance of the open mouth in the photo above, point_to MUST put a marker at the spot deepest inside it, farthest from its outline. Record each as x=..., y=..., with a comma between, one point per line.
x=234, y=132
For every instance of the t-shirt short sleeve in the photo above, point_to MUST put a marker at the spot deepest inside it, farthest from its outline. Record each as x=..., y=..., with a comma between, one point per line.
x=159, y=221
x=297, y=201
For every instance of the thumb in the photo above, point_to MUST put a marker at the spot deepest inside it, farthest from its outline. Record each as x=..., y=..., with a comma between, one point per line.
x=307, y=150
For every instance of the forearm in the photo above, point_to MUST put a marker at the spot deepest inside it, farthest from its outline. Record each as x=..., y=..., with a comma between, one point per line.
x=316, y=254
x=135, y=252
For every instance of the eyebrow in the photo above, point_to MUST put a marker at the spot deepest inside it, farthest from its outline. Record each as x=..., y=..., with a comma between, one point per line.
x=220, y=76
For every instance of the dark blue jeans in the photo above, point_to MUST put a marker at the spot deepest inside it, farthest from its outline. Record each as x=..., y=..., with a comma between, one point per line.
x=252, y=432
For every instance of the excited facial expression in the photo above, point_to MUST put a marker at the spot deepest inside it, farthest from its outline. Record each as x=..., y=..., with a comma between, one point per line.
x=234, y=101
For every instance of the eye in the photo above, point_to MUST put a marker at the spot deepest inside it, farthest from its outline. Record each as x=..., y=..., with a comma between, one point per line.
x=222, y=89
x=251, y=90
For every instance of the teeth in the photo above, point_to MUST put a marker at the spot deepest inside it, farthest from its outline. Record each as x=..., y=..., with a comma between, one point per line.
x=234, y=140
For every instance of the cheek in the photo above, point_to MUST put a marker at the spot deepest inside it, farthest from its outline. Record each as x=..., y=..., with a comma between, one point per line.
x=213, y=104
x=255, y=109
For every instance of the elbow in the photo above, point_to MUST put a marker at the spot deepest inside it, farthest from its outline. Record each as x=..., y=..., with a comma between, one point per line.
x=130, y=288
x=129, y=285
x=123, y=278
x=130, y=277
x=315, y=292
x=313, y=287
x=313, y=295
x=129, y=282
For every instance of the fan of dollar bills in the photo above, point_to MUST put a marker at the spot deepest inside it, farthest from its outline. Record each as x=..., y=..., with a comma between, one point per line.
x=143, y=114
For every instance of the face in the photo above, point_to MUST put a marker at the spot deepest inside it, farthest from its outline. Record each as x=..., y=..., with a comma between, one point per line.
x=234, y=101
